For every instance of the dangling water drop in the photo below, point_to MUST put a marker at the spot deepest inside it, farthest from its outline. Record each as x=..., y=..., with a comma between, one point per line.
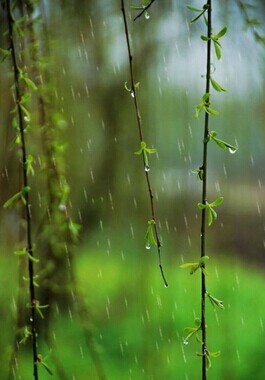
x=132, y=94
x=147, y=168
x=148, y=246
x=146, y=15
x=186, y=342
x=232, y=151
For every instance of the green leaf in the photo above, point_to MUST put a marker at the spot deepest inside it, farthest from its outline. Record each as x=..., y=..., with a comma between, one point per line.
x=32, y=258
x=221, y=143
x=211, y=111
x=217, y=85
x=12, y=200
x=47, y=368
x=150, y=239
x=214, y=354
x=201, y=206
x=28, y=164
x=21, y=252
x=220, y=34
x=215, y=301
x=203, y=260
x=74, y=229
x=25, y=98
x=30, y=84
x=194, y=8
x=5, y=53
x=25, y=111
x=217, y=202
x=217, y=49
x=197, y=17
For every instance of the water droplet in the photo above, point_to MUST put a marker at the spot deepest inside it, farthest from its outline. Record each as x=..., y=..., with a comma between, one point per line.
x=62, y=207
x=166, y=285
x=132, y=94
x=27, y=119
x=147, y=168
x=232, y=151
x=146, y=15
x=186, y=342
x=148, y=246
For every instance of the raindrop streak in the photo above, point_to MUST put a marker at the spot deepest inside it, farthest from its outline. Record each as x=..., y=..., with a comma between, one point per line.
x=147, y=168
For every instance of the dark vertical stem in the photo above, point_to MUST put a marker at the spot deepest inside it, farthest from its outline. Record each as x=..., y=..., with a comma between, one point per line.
x=204, y=197
x=18, y=97
x=140, y=131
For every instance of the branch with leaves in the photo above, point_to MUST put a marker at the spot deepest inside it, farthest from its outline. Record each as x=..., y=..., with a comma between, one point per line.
x=21, y=98
x=208, y=212
x=152, y=237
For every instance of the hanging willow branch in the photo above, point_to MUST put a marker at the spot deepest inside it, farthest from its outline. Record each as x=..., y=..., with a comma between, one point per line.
x=144, y=151
x=204, y=193
x=24, y=193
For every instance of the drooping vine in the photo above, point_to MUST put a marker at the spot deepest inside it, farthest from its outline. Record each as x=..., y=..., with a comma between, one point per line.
x=22, y=81
x=208, y=213
x=152, y=236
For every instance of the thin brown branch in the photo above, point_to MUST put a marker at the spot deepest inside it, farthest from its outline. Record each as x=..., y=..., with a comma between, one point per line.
x=140, y=131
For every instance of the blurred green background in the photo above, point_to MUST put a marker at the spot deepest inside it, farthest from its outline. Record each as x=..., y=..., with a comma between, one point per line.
x=131, y=326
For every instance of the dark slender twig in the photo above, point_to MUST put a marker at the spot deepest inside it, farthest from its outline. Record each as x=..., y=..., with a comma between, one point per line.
x=144, y=10
x=140, y=131
x=29, y=248
x=204, y=196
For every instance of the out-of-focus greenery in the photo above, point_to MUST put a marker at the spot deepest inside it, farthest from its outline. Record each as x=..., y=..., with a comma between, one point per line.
x=137, y=324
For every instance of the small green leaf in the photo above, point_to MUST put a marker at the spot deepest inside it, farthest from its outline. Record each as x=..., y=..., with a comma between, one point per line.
x=12, y=200
x=217, y=202
x=215, y=301
x=21, y=252
x=25, y=111
x=47, y=368
x=201, y=206
x=217, y=85
x=5, y=53
x=222, y=144
x=203, y=260
x=215, y=354
x=211, y=111
x=194, y=8
x=28, y=165
x=220, y=34
x=150, y=239
x=217, y=49
x=32, y=258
